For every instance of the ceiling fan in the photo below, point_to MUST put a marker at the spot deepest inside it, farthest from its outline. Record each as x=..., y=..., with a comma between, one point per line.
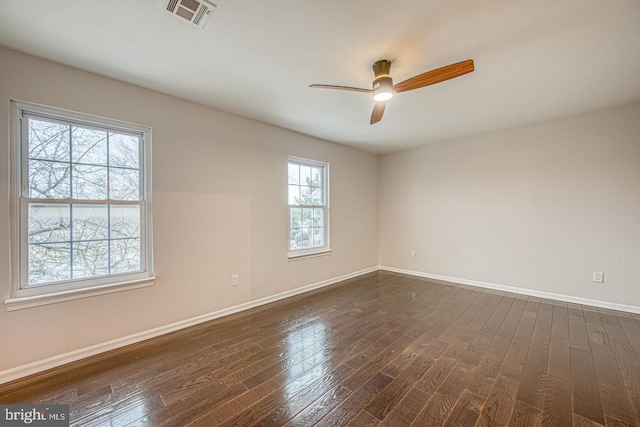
x=383, y=87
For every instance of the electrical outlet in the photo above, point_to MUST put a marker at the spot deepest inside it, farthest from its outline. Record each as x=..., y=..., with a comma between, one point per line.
x=598, y=277
x=235, y=280
x=413, y=254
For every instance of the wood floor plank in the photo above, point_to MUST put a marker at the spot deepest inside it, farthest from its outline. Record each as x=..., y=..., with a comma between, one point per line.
x=442, y=402
x=499, y=404
x=459, y=346
x=524, y=414
x=326, y=403
x=455, y=320
x=628, y=363
x=478, y=347
x=614, y=422
x=280, y=407
x=376, y=363
x=237, y=404
x=364, y=419
x=534, y=373
x=516, y=355
x=128, y=411
x=557, y=408
x=586, y=395
x=579, y=421
x=631, y=329
x=487, y=371
x=192, y=406
x=615, y=404
x=356, y=402
x=407, y=409
x=380, y=349
x=389, y=397
x=558, y=354
x=466, y=410
x=436, y=375
x=557, y=405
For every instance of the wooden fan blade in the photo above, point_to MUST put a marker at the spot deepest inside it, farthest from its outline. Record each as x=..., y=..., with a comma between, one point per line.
x=353, y=89
x=378, y=111
x=435, y=76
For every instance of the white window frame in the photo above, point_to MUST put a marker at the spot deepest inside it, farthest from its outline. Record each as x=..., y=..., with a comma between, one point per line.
x=318, y=250
x=25, y=296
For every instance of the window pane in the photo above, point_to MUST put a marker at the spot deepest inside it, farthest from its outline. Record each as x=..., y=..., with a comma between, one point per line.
x=305, y=175
x=318, y=237
x=125, y=221
x=49, y=262
x=125, y=255
x=302, y=239
x=292, y=241
x=317, y=198
x=49, y=223
x=124, y=184
x=306, y=195
x=48, y=140
x=89, y=182
x=316, y=177
x=307, y=218
x=295, y=217
x=88, y=146
x=294, y=195
x=318, y=217
x=90, y=259
x=124, y=150
x=90, y=222
x=299, y=236
x=294, y=173
x=49, y=180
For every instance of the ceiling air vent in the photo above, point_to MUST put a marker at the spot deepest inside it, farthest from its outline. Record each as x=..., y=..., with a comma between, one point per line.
x=197, y=12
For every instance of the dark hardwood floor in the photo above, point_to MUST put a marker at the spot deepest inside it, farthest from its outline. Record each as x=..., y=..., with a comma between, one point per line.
x=381, y=349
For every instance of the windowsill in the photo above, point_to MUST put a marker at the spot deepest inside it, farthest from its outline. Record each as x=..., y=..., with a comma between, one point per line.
x=20, y=303
x=297, y=257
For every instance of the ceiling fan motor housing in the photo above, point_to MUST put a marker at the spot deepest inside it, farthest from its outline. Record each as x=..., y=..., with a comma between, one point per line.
x=382, y=82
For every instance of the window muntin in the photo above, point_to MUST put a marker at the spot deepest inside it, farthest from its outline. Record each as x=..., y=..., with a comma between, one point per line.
x=83, y=201
x=308, y=206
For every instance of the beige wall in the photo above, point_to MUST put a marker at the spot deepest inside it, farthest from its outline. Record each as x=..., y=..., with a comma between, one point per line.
x=537, y=207
x=219, y=208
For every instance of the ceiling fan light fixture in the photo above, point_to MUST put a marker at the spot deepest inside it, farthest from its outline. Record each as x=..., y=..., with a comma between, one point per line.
x=382, y=82
x=383, y=88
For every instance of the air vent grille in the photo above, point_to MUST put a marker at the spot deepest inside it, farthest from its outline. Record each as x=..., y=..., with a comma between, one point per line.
x=201, y=14
x=196, y=12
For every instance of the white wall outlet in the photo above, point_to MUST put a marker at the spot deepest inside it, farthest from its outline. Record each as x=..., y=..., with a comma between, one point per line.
x=598, y=277
x=235, y=280
x=413, y=254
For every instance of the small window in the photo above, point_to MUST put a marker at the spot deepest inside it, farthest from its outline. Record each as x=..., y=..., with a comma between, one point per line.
x=82, y=201
x=308, y=207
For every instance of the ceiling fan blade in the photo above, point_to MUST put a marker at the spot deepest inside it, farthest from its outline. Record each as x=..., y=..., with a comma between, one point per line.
x=378, y=111
x=435, y=76
x=353, y=89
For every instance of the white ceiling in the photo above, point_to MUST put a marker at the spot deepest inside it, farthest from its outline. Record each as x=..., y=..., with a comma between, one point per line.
x=535, y=60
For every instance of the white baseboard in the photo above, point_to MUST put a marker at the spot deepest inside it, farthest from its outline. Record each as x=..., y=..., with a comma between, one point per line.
x=523, y=291
x=75, y=355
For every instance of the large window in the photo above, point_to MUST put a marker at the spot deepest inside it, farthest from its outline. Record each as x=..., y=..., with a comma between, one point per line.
x=82, y=203
x=308, y=207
